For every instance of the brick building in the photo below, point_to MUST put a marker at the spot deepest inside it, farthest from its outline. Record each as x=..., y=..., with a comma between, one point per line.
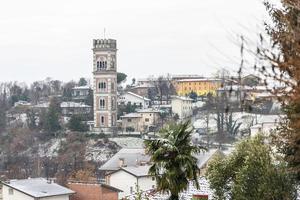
x=93, y=191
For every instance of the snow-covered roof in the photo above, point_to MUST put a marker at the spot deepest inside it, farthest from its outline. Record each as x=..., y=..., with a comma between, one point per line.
x=149, y=110
x=130, y=156
x=199, y=79
x=182, y=98
x=137, y=170
x=132, y=115
x=138, y=96
x=38, y=187
x=71, y=104
x=244, y=88
x=204, y=157
x=84, y=87
x=65, y=104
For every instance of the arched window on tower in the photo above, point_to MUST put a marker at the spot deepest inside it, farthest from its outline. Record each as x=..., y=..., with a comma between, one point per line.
x=98, y=65
x=102, y=120
x=102, y=86
x=102, y=103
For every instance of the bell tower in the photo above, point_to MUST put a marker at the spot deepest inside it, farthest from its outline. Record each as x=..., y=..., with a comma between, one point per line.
x=105, y=85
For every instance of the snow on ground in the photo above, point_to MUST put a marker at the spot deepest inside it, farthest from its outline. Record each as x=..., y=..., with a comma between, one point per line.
x=187, y=195
x=247, y=120
x=50, y=148
x=99, y=151
x=128, y=142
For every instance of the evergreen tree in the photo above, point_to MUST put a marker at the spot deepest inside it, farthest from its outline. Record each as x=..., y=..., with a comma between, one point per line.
x=82, y=82
x=251, y=172
x=76, y=123
x=50, y=122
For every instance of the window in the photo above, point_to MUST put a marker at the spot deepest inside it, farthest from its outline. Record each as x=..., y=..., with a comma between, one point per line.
x=102, y=120
x=153, y=178
x=147, y=120
x=128, y=120
x=101, y=65
x=102, y=103
x=131, y=190
x=113, y=103
x=10, y=191
x=102, y=85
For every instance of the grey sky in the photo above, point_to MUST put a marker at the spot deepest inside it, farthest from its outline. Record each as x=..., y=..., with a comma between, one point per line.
x=40, y=39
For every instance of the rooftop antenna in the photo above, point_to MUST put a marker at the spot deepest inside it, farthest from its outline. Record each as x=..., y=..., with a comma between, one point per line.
x=104, y=33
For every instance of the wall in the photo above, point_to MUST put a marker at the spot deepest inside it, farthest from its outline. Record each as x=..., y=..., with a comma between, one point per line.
x=182, y=108
x=91, y=192
x=61, y=197
x=134, y=123
x=201, y=87
x=123, y=181
x=126, y=98
x=146, y=183
x=15, y=196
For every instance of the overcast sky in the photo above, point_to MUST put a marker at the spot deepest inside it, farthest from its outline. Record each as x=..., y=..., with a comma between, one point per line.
x=43, y=38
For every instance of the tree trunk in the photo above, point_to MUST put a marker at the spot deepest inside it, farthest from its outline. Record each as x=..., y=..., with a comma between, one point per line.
x=174, y=197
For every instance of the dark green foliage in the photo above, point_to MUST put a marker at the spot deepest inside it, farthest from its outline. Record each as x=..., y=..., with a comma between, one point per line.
x=82, y=82
x=250, y=172
x=194, y=96
x=49, y=120
x=128, y=108
x=121, y=77
x=172, y=155
x=2, y=114
x=76, y=123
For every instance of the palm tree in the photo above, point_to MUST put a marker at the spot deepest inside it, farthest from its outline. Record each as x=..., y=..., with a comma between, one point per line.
x=172, y=155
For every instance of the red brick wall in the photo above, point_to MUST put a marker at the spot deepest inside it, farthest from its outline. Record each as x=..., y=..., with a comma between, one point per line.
x=91, y=192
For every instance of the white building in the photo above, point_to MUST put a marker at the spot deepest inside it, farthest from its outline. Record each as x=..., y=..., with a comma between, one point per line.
x=134, y=99
x=182, y=106
x=34, y=189
x=80, y=92
x=130, y=178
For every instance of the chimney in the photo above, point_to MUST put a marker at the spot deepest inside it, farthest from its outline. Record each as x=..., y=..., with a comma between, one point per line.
x=121, y=162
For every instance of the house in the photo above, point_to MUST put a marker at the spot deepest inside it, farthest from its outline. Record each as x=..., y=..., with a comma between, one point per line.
x=80, y=93
x=129, y=179
x=201, y=86
x=68, y=108
x=34, y=189
x=134, y=99
x=22, y=104
x=129, y=167
x=182, y=106
x=93, y=191
x=125, y=157
x=142, y=121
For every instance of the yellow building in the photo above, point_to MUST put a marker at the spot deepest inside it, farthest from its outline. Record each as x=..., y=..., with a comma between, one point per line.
x=202, y=86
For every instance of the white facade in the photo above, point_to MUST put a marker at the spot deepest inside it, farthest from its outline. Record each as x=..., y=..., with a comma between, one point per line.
x=182, y=106
x=134, y=99
x=128, y=181
x=12, y=194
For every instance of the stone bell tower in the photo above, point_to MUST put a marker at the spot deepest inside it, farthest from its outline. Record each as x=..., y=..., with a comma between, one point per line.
x=105, y=85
